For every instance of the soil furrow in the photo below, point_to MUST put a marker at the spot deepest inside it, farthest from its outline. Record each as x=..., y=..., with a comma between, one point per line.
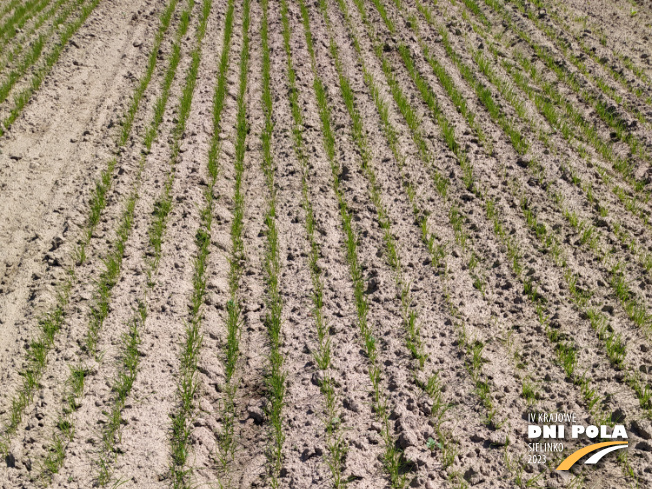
x=316, y=447
x=526, y=255
x=155, y=388
x=86, y=326
x=583, y=229
x=55, y=262
x=325, y=243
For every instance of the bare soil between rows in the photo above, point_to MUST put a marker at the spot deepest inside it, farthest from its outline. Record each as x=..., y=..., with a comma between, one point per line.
x=480, y=327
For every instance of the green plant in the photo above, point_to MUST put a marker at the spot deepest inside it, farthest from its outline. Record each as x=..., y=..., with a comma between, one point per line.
x=528, y=392
x=276, y=376
x=99, y=311
x=431, y=444
x=27, y=32
x=51, y=323
x=545, y=105
x=8, y=7
x=456, y=218
x=237, y=254
x=391, y=455
x=413, y=340
x=437, y=250
x=21, y=99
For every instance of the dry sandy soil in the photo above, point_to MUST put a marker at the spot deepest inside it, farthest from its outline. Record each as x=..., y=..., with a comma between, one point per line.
x=323, y=243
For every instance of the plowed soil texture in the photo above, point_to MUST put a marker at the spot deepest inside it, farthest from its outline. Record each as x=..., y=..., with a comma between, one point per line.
x=325, y=243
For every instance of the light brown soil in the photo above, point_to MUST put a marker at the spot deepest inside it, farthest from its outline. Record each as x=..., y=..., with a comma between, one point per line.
x=53, y=154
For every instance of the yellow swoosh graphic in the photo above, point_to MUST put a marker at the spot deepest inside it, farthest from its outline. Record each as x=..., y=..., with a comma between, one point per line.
x=575, y=456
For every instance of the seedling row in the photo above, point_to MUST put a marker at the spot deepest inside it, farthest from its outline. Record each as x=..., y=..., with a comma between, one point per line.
x=327, y=244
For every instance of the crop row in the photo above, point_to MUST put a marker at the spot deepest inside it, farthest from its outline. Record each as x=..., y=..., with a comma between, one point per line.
x=617, y=52
x=634, y=308
x=615, y=71
x=188, y=384
x=444, y=109
x=276, y=377
x=429, y=383
x=566, y=50
x=466, y=184
x=53, y=321
x=99, y=311
x=28, y=68
x=434, y=382
x=392, y=457
x=336, y=445
x=156, y=234
x=20, y=14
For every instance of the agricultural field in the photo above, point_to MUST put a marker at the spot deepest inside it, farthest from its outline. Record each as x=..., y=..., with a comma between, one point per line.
x=324, y=243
